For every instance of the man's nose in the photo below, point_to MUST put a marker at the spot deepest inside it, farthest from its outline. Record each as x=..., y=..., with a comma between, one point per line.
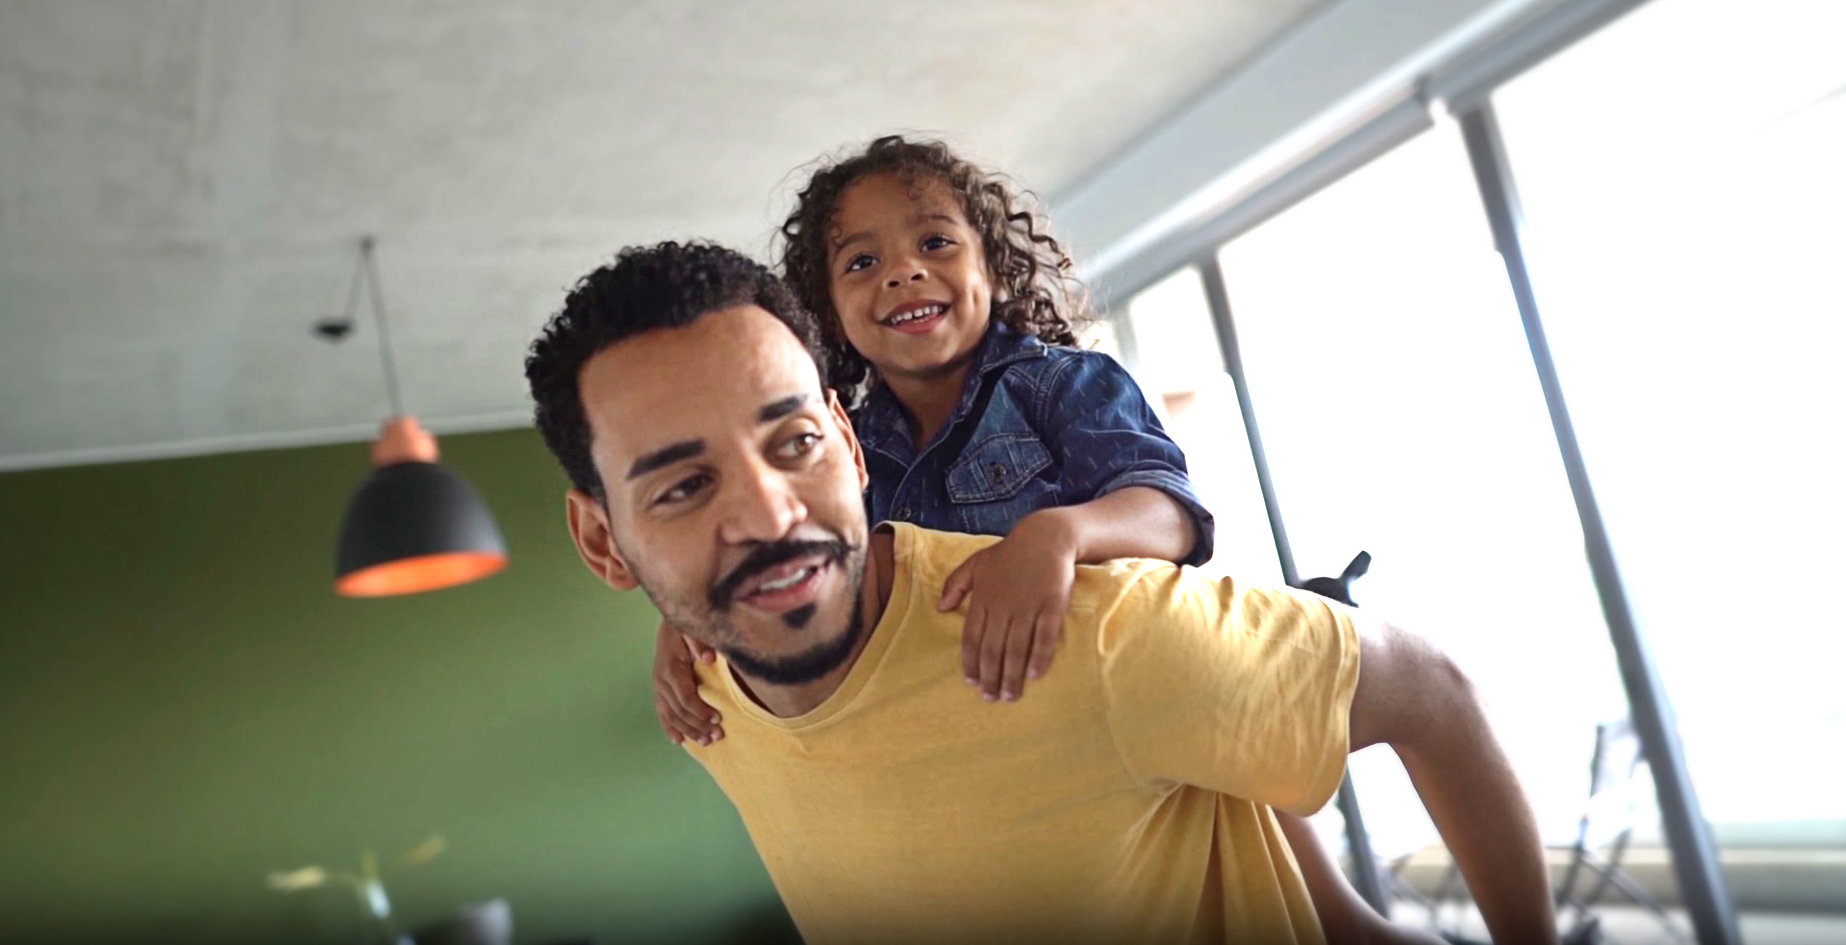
x=761, y=506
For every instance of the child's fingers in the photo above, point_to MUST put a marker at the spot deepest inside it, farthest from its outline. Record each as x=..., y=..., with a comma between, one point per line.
x=993, y=655
x=680, y=725
x=692, y=726
x=961, y=580
x=669, y=721
x=972, y=630
x=698, y=720
x=1018, y=653
x=692, y=718
x=670, y=666
x=685, y=690
x=697, y=650
x=1044, y=642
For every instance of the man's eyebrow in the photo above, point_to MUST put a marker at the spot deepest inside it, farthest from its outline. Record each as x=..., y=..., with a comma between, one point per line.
x=665, y=456
x=781, y=408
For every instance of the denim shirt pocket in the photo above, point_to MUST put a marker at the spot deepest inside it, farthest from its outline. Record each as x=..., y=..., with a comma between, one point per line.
x=995, y=482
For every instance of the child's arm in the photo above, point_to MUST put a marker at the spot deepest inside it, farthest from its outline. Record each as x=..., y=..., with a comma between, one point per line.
x=1130, y=497
x=1012, y=627
x=1135, y=522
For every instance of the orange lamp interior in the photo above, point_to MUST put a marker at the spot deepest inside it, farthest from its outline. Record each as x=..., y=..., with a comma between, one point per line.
x=422, y=573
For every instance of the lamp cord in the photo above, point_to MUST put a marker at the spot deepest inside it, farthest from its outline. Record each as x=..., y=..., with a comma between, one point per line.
x=370, y=267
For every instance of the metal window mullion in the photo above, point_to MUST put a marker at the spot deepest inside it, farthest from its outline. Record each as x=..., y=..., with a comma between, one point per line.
x=1695, y=859
x=1359, y=843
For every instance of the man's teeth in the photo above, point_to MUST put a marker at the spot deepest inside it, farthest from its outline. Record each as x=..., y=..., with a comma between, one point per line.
x=786, y=582
x=924, y=312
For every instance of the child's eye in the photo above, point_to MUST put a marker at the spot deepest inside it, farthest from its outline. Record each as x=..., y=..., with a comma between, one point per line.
x=799, y=445
x=937, y=242
x=859, y=262
x=682, y=490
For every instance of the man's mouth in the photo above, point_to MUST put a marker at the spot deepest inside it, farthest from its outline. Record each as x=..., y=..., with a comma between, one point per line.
x=780, y=577
x=785, y=587
x=914, y=316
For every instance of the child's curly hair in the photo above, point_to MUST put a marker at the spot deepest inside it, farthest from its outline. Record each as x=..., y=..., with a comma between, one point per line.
x=1035, y=292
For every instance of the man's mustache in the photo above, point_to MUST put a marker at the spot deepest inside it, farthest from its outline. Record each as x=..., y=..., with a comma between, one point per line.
x=769, y=556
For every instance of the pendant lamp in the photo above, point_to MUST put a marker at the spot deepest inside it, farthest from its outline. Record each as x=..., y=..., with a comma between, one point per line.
x=413, y=525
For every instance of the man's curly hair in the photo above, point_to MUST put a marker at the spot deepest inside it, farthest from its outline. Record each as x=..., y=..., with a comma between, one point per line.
x=670, y=285
x=1035, y=292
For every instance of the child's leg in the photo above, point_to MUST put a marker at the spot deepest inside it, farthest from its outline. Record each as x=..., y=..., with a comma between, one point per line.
x=1345, y=918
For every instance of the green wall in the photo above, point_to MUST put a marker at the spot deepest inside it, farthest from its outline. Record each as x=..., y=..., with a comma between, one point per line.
x=185, y=706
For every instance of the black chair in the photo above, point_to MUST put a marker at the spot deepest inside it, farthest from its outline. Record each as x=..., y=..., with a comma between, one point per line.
x=1340, y=588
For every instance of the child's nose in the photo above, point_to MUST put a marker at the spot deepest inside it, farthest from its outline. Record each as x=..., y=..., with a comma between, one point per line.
x=899, y=277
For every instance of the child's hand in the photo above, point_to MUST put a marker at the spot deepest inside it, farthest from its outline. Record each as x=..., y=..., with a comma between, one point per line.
x=1017, y=593
x=683, y=715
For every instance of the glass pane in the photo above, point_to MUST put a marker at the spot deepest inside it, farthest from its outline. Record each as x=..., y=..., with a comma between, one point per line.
x=1181, y=370
x=1402, y=416
x=1686, y=240
x=1100, y=335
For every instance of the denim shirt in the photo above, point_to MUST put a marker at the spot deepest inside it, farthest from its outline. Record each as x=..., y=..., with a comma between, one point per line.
x=1036, y=427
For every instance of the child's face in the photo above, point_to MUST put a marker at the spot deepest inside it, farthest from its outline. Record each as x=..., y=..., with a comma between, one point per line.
x=907, y=276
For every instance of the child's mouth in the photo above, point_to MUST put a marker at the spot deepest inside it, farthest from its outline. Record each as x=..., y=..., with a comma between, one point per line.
x=916, y=319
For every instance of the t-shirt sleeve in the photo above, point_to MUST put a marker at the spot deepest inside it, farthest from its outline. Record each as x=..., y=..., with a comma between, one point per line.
x=1107, y=438
x=1238, y=689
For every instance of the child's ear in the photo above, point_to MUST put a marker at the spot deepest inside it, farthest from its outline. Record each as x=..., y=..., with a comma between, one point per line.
x=844, y=422
x=589, y=529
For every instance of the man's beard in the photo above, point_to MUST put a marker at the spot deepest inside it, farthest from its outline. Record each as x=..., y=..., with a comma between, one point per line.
x=709, y=623
x=809, y=664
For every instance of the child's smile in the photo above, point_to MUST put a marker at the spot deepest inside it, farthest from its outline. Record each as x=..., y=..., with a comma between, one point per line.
x=916, y=318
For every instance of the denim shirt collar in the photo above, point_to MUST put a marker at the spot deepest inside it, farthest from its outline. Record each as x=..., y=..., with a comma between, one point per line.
x=882, y=424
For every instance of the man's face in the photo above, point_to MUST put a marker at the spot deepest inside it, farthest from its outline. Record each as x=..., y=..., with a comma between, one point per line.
x=732, y=488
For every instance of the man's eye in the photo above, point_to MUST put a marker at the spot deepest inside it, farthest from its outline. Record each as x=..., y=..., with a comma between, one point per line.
x=799, y=445
x=681, y=490
x=859, y=262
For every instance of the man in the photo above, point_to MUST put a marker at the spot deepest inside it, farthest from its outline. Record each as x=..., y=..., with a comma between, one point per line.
x=1128, y=799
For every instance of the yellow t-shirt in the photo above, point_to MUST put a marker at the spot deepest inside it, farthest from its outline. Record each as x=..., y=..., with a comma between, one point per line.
x=1124, y=797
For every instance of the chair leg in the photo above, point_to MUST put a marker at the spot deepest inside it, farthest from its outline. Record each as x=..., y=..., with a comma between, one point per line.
x=1612, y=863
x=1639, y=896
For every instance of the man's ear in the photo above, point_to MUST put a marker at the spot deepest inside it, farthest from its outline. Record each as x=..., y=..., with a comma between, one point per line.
x=838, y=410
x=589, y=528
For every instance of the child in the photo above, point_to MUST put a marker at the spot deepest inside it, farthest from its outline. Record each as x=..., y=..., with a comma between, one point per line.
x=946, y=303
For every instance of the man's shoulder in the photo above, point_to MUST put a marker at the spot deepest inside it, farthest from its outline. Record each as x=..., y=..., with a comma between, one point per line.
x=1132, y=587
x=927, y=555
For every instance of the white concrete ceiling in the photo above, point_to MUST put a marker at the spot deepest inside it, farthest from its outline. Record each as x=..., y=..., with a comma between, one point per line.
x=182, y=184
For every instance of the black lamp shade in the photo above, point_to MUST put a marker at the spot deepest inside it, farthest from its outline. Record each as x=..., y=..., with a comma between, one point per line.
x=415, y=526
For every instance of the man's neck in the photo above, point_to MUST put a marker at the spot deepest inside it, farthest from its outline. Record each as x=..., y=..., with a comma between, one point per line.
x=874, y=595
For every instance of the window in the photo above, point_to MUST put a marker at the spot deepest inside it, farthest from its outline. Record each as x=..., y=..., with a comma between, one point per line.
x=1401, y=415
x=1687, y=232
x=1181, y=370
